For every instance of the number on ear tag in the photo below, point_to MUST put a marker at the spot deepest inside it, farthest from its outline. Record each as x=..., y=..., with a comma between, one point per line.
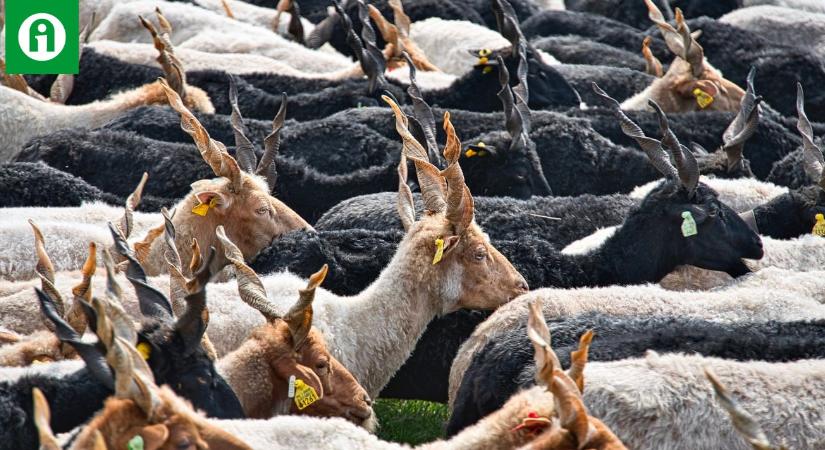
x=702, y=98
x=439, y=251
x=136, y=443
x=305, y=395
x=819, y=226
x=688, y=225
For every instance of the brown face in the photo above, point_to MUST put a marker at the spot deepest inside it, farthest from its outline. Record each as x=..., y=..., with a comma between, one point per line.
x=725, y=95
x=474, y=274
x=339, y=393
x=252, y=217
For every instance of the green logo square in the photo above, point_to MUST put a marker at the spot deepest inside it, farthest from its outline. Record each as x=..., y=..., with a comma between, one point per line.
x=42, y=36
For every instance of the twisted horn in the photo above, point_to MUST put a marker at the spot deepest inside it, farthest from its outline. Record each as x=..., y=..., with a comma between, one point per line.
x=83, y=291
x=423, y=114
x=433, y=186
x=250, y=287
x=45, y=270
x=652, y=64
x=460, y=205
x=244, y=150
x=404, y=202
x=212, y=151
x=652, y=147
x=272, y=143
x=743, y=125
x=742, y=420
x=686, y=164
x=299, y=316
x=812, y=155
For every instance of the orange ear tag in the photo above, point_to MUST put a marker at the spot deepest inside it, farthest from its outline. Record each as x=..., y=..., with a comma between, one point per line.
x=202, y=208
x=702, y=98
x=439, y=251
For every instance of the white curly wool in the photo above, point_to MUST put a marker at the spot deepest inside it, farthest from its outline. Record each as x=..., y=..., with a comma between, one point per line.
x=255, y=15
x=665, y=402
x=741, y=194
x=67, y=231
x=448, y=43
x=784, y=26
x=200, y=29
x=815, y=6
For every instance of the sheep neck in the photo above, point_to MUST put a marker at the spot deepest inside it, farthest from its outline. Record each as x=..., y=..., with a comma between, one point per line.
x=635, y=254
x=380, y=327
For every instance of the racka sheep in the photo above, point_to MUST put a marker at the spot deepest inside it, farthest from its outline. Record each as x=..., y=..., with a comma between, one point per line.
x=618, y=339
x=792, y=296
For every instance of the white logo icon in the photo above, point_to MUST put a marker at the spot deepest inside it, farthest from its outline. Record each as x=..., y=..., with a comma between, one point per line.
x=41, y=37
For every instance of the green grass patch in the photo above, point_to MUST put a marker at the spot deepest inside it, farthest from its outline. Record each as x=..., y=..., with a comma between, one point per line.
x=410, y=421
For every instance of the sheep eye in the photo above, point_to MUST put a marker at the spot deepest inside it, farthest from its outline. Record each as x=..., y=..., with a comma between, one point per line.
x=322, y=365
x=262, y=210
x=184, y=444
x=480, y=254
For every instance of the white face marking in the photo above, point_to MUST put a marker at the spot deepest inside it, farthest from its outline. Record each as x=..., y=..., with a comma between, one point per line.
x=451, y=288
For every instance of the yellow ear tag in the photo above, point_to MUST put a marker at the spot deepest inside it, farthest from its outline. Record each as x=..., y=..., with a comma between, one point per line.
x=483, y=60
x=487, y=69
x=688, y=225
x=439, y=250
x=305, y=395
x=819, y=226
x=470, y=153
x=144, y=350
x=202, y=208
x=702, y=98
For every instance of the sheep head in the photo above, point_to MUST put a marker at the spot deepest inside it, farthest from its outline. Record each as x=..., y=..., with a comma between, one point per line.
x=239, y=199
x=298, y=354
x=458, y=256
x=690, y=224
x=397, y=36
x=690, y=83
x=173, y=346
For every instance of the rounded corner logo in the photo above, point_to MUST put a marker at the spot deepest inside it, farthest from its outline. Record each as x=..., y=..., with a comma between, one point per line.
x=41, y=37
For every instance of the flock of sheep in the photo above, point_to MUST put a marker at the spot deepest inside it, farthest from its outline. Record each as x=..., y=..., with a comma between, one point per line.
x=582, y=224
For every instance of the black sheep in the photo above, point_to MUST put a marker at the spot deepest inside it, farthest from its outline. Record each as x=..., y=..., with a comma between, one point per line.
x=595, y=28
x=506, y=364
x=734, y=51
x=581, y=50
x=75, y=397
x=630, y=12
x=36, y=184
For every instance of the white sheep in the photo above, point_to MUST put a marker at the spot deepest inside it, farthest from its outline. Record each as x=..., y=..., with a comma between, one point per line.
x=23, y=117
x=255, y=15
x=664, y=402
x=815, y=6
x=463, y=38
x=494, y=432
x=200, y=29
x=741, y=194
x=784, y=26
x=751, y=301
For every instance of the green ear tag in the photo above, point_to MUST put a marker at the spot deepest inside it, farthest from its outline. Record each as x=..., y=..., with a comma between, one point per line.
x=688, y=225
x=136, y=443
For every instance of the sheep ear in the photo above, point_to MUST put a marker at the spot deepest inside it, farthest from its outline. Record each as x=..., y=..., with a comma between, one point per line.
x=578, y=359
x=539, y=334
x=405, y=204
x=570, y=408
x=652, y=64
x=299, y=317
x=42, y=420
x=211, y=199
x=154, y=436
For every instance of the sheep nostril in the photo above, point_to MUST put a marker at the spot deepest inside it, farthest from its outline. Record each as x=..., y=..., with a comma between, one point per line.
x=367, y=400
